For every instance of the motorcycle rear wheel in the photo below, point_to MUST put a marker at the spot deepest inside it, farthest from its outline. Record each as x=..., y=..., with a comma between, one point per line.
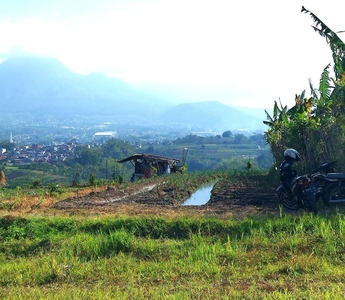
x=287, y=201
x=336, y=195
x=312, y=203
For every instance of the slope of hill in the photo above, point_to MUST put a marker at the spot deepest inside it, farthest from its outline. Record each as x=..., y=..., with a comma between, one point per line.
x=213, y=114
x=35, y=83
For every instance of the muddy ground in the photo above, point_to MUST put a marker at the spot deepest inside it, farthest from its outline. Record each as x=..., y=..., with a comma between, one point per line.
x=229, y=198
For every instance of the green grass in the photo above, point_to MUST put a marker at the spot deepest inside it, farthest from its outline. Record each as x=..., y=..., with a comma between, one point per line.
x=185, y=258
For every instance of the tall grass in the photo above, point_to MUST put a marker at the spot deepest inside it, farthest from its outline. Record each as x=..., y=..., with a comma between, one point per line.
x=105, y=258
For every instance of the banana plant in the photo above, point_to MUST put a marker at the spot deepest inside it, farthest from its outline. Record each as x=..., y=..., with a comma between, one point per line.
x=338, y=53
x=331, y=101
x=276, y=123
x=336, y=44
x=314, y=125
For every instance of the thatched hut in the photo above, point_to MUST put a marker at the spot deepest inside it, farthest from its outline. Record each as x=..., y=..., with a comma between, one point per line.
x=145, y=165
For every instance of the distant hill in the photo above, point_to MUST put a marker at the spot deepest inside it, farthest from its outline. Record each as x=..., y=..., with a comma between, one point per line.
x=36, y=84
x=213, y=114
x=256, y=112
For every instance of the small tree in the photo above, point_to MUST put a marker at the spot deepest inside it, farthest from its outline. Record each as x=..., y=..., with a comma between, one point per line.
x=227, y=133
x=36, y=183
x=92, y=179
x=249, y=165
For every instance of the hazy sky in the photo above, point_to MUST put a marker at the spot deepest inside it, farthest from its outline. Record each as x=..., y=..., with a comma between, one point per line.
x=242, y=53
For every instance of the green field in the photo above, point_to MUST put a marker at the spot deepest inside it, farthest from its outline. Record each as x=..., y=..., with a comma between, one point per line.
x=141, y=258
x=57, y=256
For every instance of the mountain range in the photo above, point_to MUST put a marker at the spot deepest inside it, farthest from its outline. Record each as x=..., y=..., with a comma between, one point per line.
x=44, y=85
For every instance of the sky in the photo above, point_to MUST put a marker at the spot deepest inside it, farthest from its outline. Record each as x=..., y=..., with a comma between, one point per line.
x=241, y=53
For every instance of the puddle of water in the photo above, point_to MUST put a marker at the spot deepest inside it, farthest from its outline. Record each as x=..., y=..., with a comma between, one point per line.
x=201, y=196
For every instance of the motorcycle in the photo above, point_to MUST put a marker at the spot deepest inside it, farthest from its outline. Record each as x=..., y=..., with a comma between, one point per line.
x=303, y=194
x=324, y=179
x=323, y=182
x=336, y=192
x=330, y=186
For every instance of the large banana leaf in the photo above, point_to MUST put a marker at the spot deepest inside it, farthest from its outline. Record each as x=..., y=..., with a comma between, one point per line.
x=336, y=44
x=325, y=87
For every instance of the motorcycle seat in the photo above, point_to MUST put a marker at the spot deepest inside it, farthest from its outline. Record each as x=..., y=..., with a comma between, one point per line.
x=336, y=175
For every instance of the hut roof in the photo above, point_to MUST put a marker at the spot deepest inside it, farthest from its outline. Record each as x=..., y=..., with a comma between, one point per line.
x=150, y=158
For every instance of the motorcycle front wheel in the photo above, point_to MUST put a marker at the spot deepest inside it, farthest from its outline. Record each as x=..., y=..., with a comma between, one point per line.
x=336, y=195
x=287, y=201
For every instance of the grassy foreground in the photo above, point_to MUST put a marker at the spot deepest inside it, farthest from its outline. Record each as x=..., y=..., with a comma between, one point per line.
x=286, y=257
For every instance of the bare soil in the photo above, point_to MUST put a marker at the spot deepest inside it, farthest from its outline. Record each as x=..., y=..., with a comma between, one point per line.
x=245, y=196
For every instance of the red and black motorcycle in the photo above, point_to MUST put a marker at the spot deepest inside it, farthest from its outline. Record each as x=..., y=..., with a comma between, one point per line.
x=303, y=194
x=323, y=183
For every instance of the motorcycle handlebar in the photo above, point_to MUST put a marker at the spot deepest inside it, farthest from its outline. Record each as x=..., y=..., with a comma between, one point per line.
x=325, y=167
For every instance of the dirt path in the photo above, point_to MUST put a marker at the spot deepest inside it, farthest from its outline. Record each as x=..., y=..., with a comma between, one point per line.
x=240, y=197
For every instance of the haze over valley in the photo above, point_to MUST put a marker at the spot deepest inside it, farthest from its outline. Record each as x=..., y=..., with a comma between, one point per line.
x=41, y=98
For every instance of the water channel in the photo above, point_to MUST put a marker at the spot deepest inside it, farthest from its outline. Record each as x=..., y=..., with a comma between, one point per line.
x=201, y=196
